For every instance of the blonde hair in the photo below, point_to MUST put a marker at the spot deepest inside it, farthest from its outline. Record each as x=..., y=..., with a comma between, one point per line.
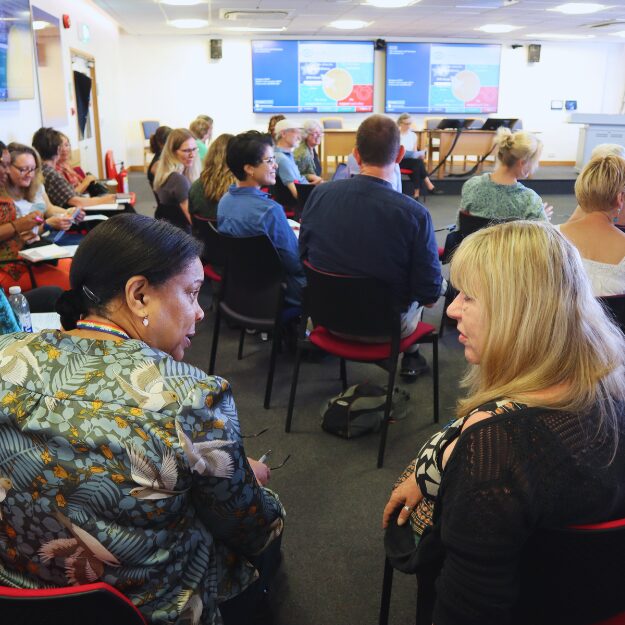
x=512, y=147
x=199, y=127
x=28, y=193
x=169, y=162
x=543, y=325
x=600, y=182
x=608, y=149
x=216, y=176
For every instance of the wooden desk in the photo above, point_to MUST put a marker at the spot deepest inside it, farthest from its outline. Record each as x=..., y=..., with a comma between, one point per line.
x=470, y=142
x=337, y=144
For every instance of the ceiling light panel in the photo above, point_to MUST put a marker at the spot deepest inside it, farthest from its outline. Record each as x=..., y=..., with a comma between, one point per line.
x=579, y=8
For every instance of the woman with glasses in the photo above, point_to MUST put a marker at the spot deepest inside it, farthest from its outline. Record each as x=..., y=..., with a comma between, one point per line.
x=15, y=232
x=177, y=169
x=305, y=155
x=24, y=185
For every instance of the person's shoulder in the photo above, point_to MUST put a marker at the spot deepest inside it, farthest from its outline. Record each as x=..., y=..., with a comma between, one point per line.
x=476, y=181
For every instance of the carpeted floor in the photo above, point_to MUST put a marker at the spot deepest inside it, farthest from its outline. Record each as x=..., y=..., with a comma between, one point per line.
x=332, y=491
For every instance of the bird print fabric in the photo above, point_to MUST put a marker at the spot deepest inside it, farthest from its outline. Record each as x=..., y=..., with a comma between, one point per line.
x=119, y=464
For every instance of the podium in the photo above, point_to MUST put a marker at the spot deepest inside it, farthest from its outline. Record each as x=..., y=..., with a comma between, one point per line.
x=596, y=128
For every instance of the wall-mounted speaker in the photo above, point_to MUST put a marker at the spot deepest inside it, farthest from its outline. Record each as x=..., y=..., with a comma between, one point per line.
x=215, y=48
x=380, y=44
x=533, y=53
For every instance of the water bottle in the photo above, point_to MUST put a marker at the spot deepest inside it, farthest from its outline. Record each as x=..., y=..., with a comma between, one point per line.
x=19, y=304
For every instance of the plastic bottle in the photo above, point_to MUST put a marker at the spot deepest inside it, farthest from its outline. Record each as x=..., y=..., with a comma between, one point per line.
x=19, y=304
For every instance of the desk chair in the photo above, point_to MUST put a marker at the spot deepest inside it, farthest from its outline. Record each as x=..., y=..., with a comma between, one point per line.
x=252, y=295
x=213, y=254
x=96, y=604
x=555, y=586
x=357, y=306
x=281, y=194
x=303, y=193
x=332, y=123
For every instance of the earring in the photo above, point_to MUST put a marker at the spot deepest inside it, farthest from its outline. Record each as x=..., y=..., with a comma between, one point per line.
x=146, y=322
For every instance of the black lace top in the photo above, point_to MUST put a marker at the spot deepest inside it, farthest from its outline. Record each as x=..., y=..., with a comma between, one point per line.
x=508, y=478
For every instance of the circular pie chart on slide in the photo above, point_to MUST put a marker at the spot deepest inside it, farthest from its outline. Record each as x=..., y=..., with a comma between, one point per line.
x=337, y=83
x=465, y=85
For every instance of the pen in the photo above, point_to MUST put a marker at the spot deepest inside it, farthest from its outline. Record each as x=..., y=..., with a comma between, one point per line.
x=265, y=457
x=39, y=220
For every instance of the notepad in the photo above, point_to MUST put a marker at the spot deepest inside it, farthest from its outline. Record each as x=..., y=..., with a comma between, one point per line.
x=95, y=218
x=113, y=206
x=48, y=252
x=45, y=321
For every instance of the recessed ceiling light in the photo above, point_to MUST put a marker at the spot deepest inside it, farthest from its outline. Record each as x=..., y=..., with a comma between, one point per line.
x=558, y=36
x=579, y=8
x=254, y=29
x=188, y=23
x=497, y=28
x=348, y=24
x=40, y=24
x=182, y=3
x=390, y=4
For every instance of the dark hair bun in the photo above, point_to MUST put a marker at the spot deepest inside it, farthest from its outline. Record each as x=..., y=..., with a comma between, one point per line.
x=71, y=306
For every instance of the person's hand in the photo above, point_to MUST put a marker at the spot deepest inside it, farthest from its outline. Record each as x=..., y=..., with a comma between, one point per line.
x=110, y=198
x=62, y=221
x=261, y=471
x=548, y=210
x=28, y=222
x=80, y=215
x=28, y=236
x=408, y=495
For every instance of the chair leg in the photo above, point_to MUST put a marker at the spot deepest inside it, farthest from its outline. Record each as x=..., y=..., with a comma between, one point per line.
x=387, y=587
x=289, y=412
x=272, y=365
x=387, y=411
x=211, y=364
x=241, y=340
x=343, y=373
x=435, y=376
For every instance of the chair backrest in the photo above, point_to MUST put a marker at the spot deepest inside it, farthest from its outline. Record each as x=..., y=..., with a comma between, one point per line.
x=332, y=123
x=253, y=279
x=109, y=165
x=206, y=231
x=573, y=576
x=468, y=224
x=281, y=194
x=353, y=305
x=149, y=128
x=96, y=604
x=616, y=307
x=341, y=172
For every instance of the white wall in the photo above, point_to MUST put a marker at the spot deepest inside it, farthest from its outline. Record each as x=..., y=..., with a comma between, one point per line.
x=18, y=120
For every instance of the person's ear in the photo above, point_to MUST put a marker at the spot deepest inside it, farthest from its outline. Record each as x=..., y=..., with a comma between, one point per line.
x=356, y=154
x=400, y=154
x=249, y=170
x=137, y=295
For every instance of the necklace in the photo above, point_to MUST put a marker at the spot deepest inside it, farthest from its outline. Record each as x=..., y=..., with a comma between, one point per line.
x=98, y=326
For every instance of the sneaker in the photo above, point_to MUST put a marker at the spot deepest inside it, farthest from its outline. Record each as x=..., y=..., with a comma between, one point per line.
x=412, y=366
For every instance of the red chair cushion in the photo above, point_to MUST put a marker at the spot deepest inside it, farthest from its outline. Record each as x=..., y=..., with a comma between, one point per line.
x=619, y=619
x=441, y=251
x=211, y=274
x=406, y=171
x=367, y=352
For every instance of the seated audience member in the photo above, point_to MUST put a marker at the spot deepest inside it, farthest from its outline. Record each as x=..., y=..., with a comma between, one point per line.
x=157, y=143
x=177, y=169
x=500, y=195
x=24, y=186
x=600, y=193
x=288, y=135
x=273, y=120
x=15, y=232
x=142, y=470
x=214, y=181
x=538, y=443
x=305, y=154
x=413, y=158
x=362, y=227
x=75, y=175
x=47, y=142
x=353, y=169
x=246, y=211
x=202, y=130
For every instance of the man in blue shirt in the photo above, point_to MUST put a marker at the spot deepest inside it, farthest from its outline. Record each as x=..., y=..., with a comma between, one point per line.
x=362, y=226
x=288, y=136
x=246, y=211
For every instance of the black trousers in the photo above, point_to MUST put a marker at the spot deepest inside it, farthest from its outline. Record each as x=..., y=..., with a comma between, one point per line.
x=418, y=171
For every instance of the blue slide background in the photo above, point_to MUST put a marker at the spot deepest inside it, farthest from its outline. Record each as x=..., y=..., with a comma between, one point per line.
x=408, y=62
x=277, y=61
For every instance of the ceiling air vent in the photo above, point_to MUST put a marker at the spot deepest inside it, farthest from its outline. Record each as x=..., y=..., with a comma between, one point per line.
x=250, y=14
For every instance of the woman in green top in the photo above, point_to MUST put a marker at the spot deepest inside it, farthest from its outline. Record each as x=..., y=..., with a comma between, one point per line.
x=202, y=130
x=500, y=195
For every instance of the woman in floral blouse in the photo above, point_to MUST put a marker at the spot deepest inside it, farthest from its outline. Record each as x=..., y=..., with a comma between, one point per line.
x=118, y=462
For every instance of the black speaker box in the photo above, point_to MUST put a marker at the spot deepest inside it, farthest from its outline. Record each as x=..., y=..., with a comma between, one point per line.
x=380, y=44
x=215, y=47
x=533, y=53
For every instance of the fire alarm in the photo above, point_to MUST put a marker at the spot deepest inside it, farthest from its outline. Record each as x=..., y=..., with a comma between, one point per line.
x=66, y=21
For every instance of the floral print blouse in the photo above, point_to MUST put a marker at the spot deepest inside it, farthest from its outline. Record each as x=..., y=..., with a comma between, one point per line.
x=119, y=464
x=10, y=247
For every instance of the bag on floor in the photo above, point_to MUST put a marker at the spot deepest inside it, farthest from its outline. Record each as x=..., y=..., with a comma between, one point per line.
x=359, y=410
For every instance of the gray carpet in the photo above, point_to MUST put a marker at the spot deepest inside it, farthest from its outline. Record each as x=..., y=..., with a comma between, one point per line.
x=331, y=489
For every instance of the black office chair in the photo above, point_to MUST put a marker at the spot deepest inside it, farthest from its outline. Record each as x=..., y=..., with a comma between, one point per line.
x=95, y=604
x=213, y=255
x=281, y=194
x=615, y=305
x=303, y=193
x=363, y=307
x=252, y=295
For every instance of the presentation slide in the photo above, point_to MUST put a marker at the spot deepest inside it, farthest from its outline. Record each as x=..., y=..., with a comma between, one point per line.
x=312, y=76
x=442, y=78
